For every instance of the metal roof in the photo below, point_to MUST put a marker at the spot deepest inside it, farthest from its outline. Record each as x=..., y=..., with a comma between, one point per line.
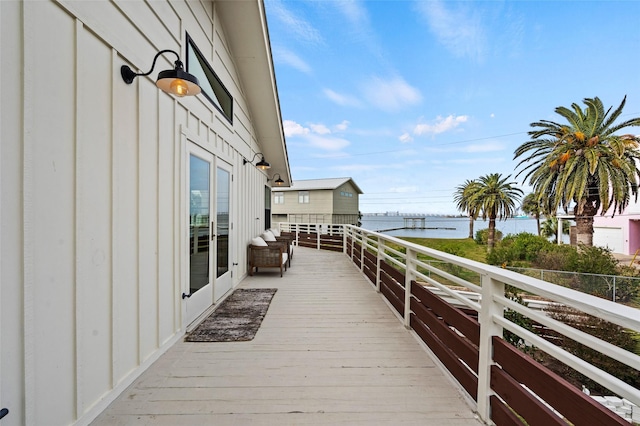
x=317, y=184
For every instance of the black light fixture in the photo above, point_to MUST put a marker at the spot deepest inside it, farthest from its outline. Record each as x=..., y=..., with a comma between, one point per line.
x=278, y=181
x=262, y=164
x=177, y=81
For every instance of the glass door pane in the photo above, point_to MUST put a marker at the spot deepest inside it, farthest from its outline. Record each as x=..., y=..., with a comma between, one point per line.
x=222, y=220
x=199, y=213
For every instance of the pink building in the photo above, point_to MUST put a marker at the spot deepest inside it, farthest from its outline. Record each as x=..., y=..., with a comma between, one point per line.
x=620, y=233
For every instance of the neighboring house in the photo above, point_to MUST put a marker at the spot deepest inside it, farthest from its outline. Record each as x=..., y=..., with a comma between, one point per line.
x=119, y=201
x=317, y=201
x=620, y=233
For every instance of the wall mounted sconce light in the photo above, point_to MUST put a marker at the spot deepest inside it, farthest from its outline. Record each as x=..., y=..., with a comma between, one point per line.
x=177, y=81
x=278, y=181
x=262, y=165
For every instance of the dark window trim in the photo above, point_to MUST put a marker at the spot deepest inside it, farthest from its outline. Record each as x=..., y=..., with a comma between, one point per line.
x=192, y=44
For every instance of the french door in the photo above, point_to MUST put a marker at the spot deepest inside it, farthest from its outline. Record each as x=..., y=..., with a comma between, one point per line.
x=209, y=201
x=223, y=227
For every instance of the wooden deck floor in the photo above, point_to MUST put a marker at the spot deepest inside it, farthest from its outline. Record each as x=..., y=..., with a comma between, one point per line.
x=329, y=351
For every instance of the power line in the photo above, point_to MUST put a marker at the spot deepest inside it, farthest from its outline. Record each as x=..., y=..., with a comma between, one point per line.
x=408, y=149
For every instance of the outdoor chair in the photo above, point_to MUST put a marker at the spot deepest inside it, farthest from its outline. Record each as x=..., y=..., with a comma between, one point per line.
x=270, y=235
x=289, y=237
x=265, y=255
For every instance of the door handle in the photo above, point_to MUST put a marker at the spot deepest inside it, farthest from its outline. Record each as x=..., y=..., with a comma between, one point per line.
x=212, y=234
x=3, y=412
x=186, y=296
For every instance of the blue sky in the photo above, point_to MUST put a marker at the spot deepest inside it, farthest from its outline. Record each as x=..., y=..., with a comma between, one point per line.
x=411, y=98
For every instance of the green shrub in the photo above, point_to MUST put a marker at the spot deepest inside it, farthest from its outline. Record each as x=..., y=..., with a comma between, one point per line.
x=517, y=249
x=594, y=260
x=482, y=236
x=556, y=258
x=627, y=284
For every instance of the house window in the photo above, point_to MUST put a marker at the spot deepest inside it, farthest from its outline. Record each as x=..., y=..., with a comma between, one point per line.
x=278, y=198
x=212, y=87
x=303, y=197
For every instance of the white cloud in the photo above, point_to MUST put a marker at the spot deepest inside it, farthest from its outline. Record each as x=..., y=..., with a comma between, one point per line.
x=287, y=57
x=342, y=126
x=440, y=125
x=390, y=94
x=341, y=99
x=485, y=147
x=320, y=129
x=404, y=189
x=459, y=30
x=353, y=10
x=301, y=29
x=314, y=135
x=327, y=143
x=291, y=128
x=492, y=115
x=405, y=138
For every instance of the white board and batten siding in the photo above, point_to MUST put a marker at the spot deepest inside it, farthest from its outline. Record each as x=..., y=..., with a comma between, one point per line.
x=92, y=173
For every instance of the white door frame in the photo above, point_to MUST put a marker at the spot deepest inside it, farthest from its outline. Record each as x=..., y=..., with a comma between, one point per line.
x=224, y=282
x=194, y=304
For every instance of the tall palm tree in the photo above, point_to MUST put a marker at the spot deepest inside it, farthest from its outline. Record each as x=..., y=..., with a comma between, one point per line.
x=535, y=205
x=583, y=162
x=461, y=197
x=496, y=198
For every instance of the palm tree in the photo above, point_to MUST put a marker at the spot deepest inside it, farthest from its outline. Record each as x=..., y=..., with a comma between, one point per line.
x=535, y=205
x=550, y=228
x=583, y=162
x=461, y=197
x=496, y=199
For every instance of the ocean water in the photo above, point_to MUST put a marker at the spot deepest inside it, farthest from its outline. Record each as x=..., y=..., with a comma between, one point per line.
x=446, y=227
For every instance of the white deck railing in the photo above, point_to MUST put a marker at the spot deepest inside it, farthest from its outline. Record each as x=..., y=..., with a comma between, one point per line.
x=489, y=302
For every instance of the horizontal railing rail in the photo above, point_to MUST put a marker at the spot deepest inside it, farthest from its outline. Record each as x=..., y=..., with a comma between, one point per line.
x=471, y=339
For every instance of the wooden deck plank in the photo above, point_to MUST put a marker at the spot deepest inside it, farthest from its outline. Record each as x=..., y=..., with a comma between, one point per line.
x=329, y=351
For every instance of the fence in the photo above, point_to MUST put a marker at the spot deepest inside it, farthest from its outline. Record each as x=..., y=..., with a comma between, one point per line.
x=615, y=288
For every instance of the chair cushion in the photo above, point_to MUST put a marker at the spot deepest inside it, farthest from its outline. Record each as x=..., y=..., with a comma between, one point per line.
x=268, y=236
x=257, y=241
x=275, y=231
x=285, y=256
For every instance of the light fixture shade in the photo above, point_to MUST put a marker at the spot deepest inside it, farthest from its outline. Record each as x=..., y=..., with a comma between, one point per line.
x=178, y=82
x=279, y=181
x=263, y=165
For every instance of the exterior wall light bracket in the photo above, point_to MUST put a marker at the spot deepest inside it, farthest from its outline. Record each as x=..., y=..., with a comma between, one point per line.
x=176, y=82
x=262, y=164
x=278, y=181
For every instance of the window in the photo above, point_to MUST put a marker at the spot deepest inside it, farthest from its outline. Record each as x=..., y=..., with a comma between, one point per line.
x=267, y=207
x=278, y=198
x=303, y=197
x=212, y=87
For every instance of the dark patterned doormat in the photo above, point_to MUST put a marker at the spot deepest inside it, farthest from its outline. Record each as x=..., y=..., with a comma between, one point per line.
x=237, y=319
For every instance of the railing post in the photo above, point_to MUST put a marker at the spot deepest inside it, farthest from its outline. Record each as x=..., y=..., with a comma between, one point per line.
x=409, y=275
x=344, y=238
x=614, y=288
x=362, y=249
x=318, y=231
x=379, y=261
x=488, y=328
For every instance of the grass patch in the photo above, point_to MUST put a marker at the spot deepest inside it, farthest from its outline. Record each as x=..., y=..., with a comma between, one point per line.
x=463, y=247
